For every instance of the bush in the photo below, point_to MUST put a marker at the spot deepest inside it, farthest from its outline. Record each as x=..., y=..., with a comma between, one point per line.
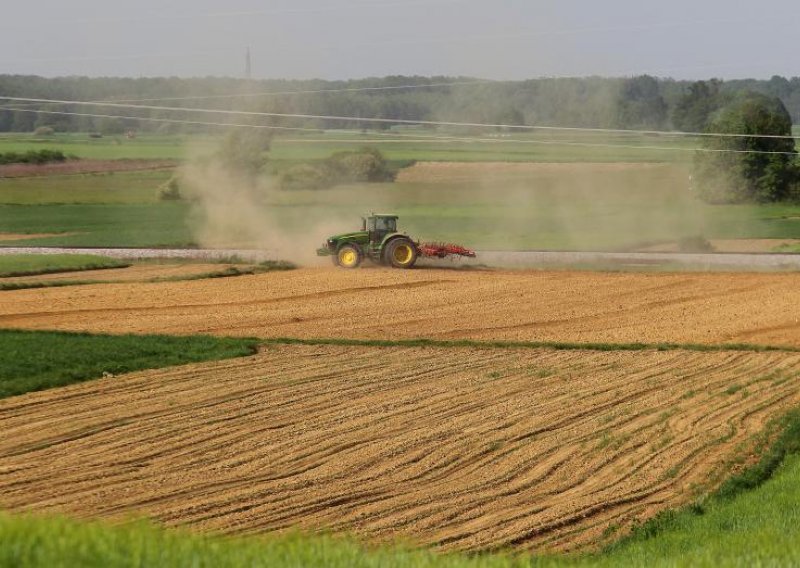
x=43, y=131
x=36, y=157
x=364, y=165
x=695, y=244
x=307, y=176
x=170, y=191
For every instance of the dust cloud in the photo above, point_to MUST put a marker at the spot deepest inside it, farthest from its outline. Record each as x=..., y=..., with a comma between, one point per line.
x=588, y=206
x=231, y=208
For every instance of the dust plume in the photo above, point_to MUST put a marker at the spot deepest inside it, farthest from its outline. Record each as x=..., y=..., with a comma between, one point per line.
x=237, y=203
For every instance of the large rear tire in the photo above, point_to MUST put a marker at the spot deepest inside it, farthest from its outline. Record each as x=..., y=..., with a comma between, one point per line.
x=401, y=253
x=348, y=256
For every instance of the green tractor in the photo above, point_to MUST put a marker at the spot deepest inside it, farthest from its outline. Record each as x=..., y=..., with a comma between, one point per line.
x=378, y=241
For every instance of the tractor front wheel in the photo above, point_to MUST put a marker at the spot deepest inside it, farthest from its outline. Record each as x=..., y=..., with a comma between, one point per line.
x=401, y=253
x=348, y=256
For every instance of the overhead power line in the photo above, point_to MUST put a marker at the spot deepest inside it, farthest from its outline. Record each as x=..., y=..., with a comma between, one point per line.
x=401, y=121
x=310, y=91
x=409, y=137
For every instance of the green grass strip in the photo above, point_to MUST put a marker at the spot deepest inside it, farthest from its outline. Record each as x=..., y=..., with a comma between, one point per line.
x=37, y=360
x=11, y=286
x=230, y=272
x=556, y=345
x=14, y=265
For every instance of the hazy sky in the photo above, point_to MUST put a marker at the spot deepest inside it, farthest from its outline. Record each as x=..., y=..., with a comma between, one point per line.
x=339, y=39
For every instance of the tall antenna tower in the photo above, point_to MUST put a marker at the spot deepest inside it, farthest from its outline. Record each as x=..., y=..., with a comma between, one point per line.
x=248, y=68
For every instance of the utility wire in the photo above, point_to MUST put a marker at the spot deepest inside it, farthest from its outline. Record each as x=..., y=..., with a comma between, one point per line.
x=414, y=137
x=403, y=121
x=310, y=91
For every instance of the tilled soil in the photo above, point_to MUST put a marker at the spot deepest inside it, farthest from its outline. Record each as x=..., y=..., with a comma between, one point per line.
x=436, y=303
x=465, y=449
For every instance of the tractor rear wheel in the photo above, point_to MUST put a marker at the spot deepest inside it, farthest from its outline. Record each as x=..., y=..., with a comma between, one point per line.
x=348, y=256
x=401, y=253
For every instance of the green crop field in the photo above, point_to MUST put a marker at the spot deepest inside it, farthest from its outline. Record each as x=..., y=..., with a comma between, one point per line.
x=624, y=205
x=108, y=148
x=87, y=225
x=454, y=147
x=37, y=360
x=116, y=187
x=410, y=144
x=609, y=211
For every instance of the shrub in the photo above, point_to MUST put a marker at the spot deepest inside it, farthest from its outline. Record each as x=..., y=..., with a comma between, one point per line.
x=307, y=176
x=364, y=165
x=695, y=244
x=35, y=157
x=43, y=131
x=170, y=191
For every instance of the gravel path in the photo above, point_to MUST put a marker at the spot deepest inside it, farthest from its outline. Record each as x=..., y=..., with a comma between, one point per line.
x=510, y=259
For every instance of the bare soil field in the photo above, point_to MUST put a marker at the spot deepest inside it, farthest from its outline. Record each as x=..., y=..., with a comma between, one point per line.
x=136, y=273
x=83, y=167
x=376, y=303
x=465, y=449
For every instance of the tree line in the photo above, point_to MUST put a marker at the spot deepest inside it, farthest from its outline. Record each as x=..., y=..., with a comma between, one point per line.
x=641, y=102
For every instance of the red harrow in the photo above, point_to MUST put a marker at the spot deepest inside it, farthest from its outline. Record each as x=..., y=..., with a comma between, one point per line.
x=443, y=250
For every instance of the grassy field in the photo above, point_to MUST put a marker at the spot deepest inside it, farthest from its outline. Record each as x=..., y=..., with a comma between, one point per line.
x=33, y=360
x=410, y=144
x=107, y=148
x=757, y=527
x=131, y=225
x=32, y=264
x=118, y=187
x=508, y=219
x=617, y=208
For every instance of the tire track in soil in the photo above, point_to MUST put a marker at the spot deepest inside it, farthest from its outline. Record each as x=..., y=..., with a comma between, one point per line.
x=517, y=306
x=466, y=449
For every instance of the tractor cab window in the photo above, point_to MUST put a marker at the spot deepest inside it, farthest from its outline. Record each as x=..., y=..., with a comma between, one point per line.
x=388, y=224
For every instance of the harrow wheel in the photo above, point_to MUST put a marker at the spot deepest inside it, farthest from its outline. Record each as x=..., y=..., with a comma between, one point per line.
x=401, y=253
x=348, y=256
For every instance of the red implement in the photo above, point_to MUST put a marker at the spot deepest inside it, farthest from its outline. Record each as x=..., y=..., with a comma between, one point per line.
x=442, y=250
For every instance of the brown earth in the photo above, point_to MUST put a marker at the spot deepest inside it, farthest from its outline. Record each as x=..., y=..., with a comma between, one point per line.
x=82, y=167
x=466, y=449
x=435, y=303
x=136, y=273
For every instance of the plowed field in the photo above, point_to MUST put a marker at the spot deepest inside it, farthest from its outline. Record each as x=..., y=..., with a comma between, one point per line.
x=462, y=448
x=436, y=303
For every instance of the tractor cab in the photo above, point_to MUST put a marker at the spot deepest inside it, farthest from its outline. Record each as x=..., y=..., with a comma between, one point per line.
x=378, y=226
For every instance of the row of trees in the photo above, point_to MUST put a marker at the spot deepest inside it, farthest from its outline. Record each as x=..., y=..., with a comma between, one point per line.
x=638, y=102
x=728, y=169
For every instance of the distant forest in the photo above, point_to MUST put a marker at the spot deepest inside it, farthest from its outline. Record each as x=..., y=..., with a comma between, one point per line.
x=642, y=102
